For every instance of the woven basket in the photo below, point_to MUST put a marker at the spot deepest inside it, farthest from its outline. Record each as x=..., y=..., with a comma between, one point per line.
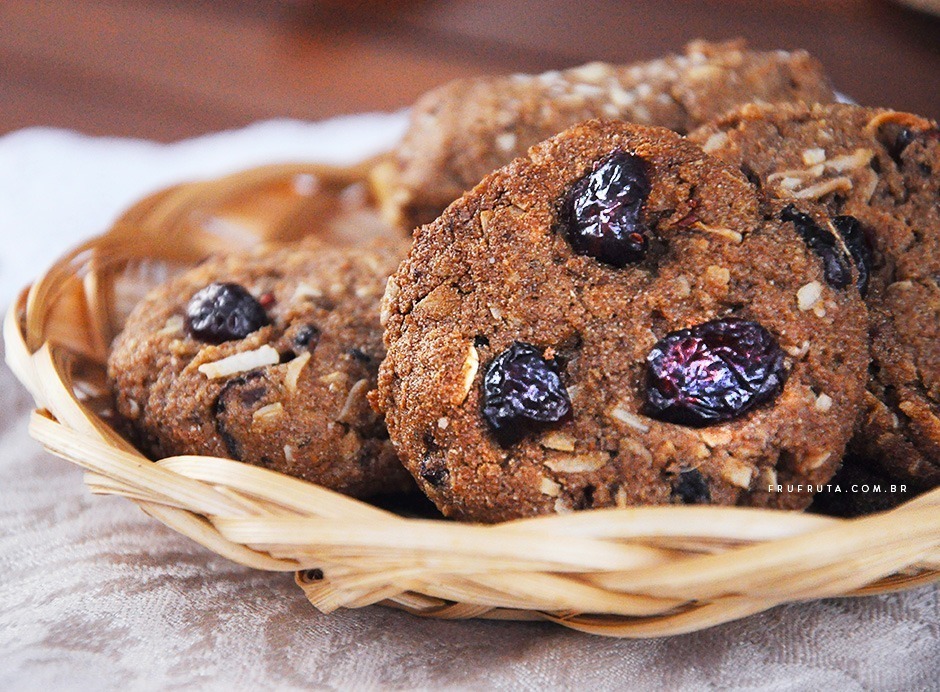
x=643, y=572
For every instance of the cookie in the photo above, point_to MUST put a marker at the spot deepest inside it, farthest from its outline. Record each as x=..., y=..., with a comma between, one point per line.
x=878, y=173
x=465, y=129
x=620, y=319
x=265, y=357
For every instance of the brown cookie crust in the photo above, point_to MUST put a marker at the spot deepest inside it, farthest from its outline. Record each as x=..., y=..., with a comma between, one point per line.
x=465, y=129
x=306, y=415
x=882, y=167
x=495, y=269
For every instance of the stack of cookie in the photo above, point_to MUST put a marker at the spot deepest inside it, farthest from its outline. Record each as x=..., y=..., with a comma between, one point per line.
x=704, y=283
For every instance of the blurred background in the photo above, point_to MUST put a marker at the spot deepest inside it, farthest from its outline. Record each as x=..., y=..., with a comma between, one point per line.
x=170, y=69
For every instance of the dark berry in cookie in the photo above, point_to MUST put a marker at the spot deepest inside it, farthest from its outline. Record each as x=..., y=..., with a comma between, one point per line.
x=713, y=372
x=857, y=242
x=307, y=338
x=222, y=312
x=603, y=210
x=835, y=266
x=433, y=470
x=691, y=488
x=521, y=389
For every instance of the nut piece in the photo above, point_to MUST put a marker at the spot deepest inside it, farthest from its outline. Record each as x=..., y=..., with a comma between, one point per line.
x=737, y=473
x=814, y=461
x=619, y=412
x=468, y=373
x=715, y=437
x=717, y=275
x=305, y=291
x=549, y=487
x=293, y=371
x=813, y=156
x=809, y=295
x=174, y=325
x=356, y=394
x=768, y=477
x=267, y=413
x=241, y=362
x=715, y=141
x=577, y=463
x=557, y=440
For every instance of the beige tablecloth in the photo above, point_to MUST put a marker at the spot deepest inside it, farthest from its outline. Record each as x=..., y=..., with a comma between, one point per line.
x=95, y=595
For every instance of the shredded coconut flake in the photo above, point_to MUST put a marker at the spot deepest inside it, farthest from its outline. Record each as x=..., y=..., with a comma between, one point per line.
x=241, y=362
x=468, y=373
x=824, y=188
x=619, y=412
x=857, y=159
x=293, y=371
x=268, y=412
x=577, y=463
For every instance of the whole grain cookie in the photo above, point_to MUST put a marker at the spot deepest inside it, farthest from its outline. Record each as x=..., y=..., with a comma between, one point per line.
x=620, y=319
x=878, y=173
x=265, y=357
x=465, y=129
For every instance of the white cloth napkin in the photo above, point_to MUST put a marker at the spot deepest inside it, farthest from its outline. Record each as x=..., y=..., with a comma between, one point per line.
x=95, y=595
x=58, y=187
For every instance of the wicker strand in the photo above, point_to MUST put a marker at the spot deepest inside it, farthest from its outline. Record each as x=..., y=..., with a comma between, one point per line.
x=639, y=572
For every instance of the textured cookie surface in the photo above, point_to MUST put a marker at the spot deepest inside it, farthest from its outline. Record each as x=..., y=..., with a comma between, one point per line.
x=883, y=169
x=467, y=128
x=284, y=388
x=518, y=374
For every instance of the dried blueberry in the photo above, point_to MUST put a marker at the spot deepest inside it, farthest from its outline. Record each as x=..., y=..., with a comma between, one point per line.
x=222, y=312
x=522, y=390
x=691, y=488
x=713, y=372
x=602, y=210
x=859, y=247
x=836, y=266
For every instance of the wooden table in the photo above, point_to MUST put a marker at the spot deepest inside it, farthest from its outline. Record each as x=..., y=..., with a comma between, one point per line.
x=177, y=68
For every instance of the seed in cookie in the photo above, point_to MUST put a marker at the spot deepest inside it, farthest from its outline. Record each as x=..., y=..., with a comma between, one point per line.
x=603, y=210
x=224, y=311
x=522, y=390
x=836, y=268
x=713, y=372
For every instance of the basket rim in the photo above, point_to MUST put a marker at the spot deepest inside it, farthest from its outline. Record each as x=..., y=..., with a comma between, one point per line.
x=637, y=571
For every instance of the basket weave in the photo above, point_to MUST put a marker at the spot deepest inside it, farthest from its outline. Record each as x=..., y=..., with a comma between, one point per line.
x=643, y=572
